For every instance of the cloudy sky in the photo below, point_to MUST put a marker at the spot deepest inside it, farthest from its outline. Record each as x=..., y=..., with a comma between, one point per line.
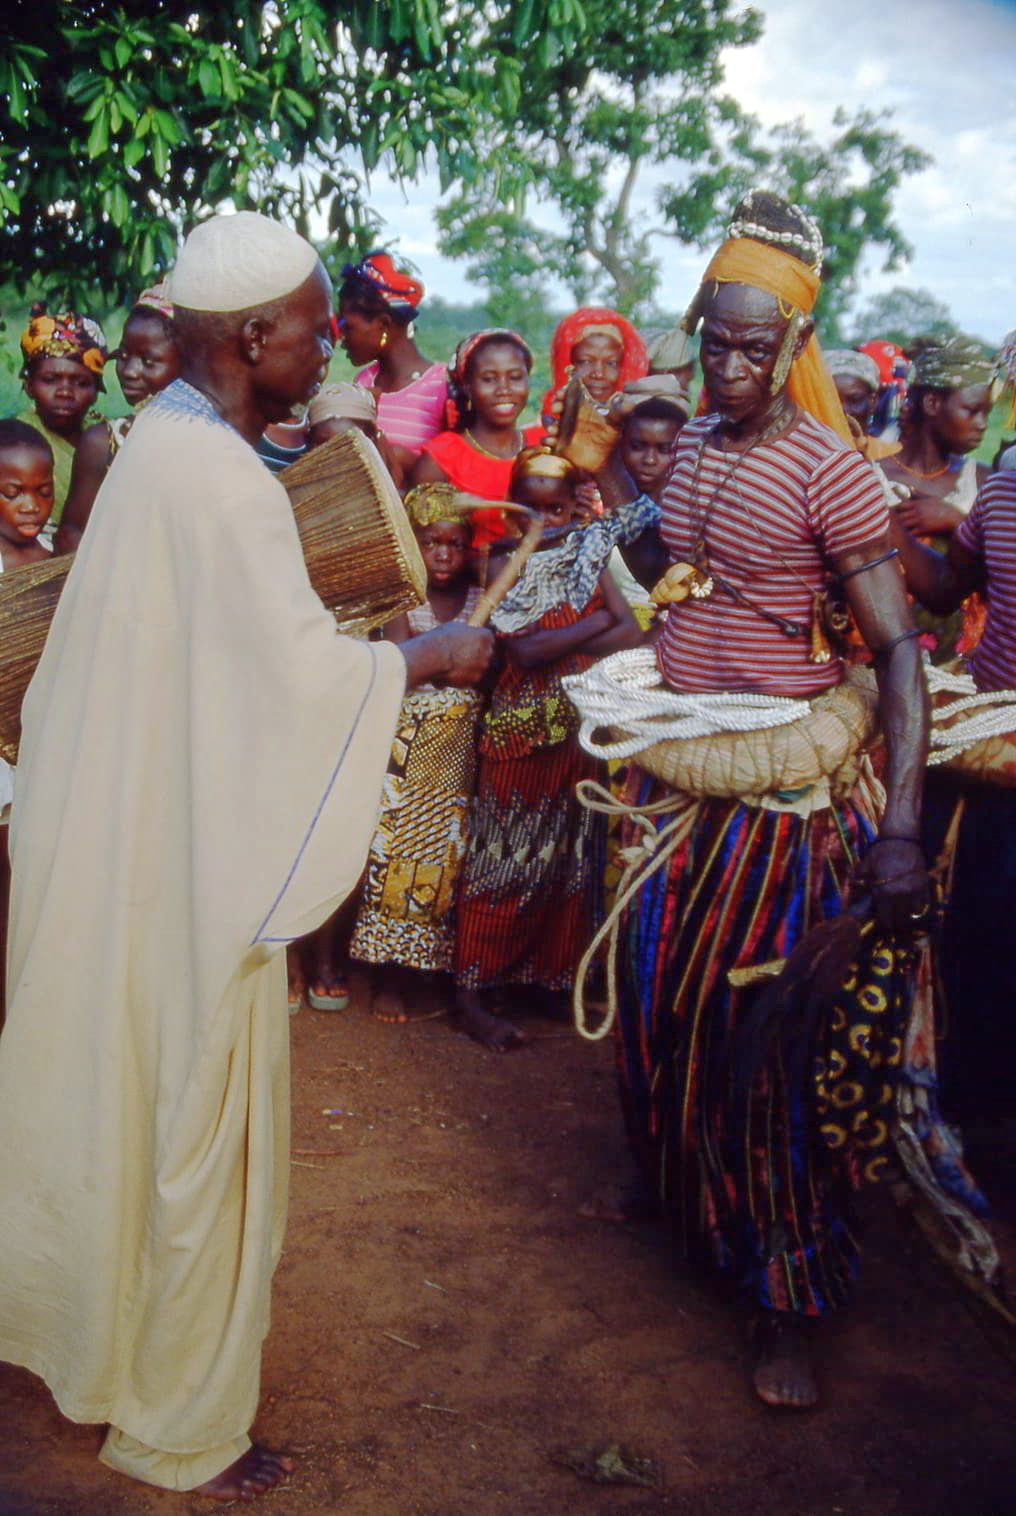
x=944, y=67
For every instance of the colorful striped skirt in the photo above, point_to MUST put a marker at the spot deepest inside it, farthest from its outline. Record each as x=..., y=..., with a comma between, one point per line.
x=760, y=1207
x=531, y=890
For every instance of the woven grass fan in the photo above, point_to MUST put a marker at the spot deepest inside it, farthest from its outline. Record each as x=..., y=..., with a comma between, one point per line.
x=362, y=559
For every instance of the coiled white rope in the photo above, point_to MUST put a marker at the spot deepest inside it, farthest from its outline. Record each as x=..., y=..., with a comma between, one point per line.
x=627, y=691
x=988, y=713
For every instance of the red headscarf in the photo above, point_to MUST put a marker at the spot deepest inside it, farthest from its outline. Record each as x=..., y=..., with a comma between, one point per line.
x=400, y=291
x=634, y=361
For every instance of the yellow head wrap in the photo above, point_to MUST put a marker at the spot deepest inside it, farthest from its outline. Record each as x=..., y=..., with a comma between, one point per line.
x=743, y=260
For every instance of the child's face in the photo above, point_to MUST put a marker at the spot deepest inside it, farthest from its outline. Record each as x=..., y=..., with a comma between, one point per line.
x=647, y=447
x=148, y=359
x=445, y=549
x=63, y=389
x=553, y=498
x=26, y=492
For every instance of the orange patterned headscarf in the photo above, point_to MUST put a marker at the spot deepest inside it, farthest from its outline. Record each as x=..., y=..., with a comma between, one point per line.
x=65, y=335
x=794, y=286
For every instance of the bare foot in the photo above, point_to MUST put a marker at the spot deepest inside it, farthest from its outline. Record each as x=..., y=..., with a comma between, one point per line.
x=784, y=1374
x=389, y=1006
x=257, y=1471
x=486, y=1027
x=621, y=1203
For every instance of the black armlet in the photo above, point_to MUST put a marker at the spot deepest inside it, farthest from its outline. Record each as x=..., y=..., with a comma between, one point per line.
x=864, y=567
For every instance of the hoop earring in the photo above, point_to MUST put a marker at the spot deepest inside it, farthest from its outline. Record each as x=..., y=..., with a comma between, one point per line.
x=384, y=340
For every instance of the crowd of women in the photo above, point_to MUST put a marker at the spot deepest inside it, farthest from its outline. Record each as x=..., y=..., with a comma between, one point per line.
x=486, y=868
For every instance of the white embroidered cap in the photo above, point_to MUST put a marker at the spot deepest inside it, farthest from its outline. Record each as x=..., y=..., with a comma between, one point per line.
x=233, y=263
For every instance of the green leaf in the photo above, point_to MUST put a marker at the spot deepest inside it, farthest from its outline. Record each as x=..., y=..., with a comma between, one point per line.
x=208, y=78
x=168, y=127
x=160, y=155
x=147, y=258
x=16, y=101
x=227, y=73
x=133, y=152
x=123, y=52
x=98, y=137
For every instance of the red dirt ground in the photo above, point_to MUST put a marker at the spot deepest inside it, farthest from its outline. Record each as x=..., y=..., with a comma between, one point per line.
x=442, y=1210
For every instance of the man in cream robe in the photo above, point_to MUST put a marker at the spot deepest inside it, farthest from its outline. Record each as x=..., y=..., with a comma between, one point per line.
x=199, y=780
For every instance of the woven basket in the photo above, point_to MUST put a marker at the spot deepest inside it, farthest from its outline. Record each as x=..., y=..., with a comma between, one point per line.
x=826, y=744
x=362, y=559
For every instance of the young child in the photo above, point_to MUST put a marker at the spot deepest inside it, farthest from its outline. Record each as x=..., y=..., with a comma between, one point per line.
x=647, y=444
x=26, y=493
x=147, y=359
x=26, y=499
x=405, y=923
x=64, y=356
x=528, y=894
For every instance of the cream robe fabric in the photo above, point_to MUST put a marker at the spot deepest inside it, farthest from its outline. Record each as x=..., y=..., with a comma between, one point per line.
x=199, y=781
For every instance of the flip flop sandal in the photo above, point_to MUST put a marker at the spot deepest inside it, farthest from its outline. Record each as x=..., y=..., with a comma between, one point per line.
x=295, y=1001
x=336, y=1001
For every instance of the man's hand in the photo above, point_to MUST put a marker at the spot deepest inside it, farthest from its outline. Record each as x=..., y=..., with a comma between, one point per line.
x=897, y=876
x=454, y=654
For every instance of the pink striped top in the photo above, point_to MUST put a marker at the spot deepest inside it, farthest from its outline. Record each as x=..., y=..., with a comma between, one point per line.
x=989, y=532
x=771, y=528
x=411, y=416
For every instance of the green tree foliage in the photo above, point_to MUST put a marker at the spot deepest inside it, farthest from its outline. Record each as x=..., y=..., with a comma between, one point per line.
x=636, y=88
x=122, y=123
x=640, y=94
x=847, y=184
x=900, y=315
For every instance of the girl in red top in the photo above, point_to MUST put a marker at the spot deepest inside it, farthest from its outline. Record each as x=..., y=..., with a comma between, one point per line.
x=488, y=387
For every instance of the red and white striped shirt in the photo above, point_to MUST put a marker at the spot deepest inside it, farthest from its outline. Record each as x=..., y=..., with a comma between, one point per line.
x=771, y=526
x=989, y=532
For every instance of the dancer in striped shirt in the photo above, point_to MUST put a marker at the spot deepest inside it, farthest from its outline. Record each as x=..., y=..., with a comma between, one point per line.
x=767, y=504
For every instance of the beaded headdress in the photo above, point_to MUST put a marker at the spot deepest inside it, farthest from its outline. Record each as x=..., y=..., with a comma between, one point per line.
x=786, y=264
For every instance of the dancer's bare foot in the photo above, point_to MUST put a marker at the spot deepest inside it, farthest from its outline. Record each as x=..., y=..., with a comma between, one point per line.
x=784, y=1374
x=621, y=1204
x=388, y=1005
x=485, y=1026
x=257, y=1471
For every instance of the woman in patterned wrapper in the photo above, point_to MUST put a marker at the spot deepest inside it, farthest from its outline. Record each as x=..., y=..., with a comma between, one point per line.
x=405, y=925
